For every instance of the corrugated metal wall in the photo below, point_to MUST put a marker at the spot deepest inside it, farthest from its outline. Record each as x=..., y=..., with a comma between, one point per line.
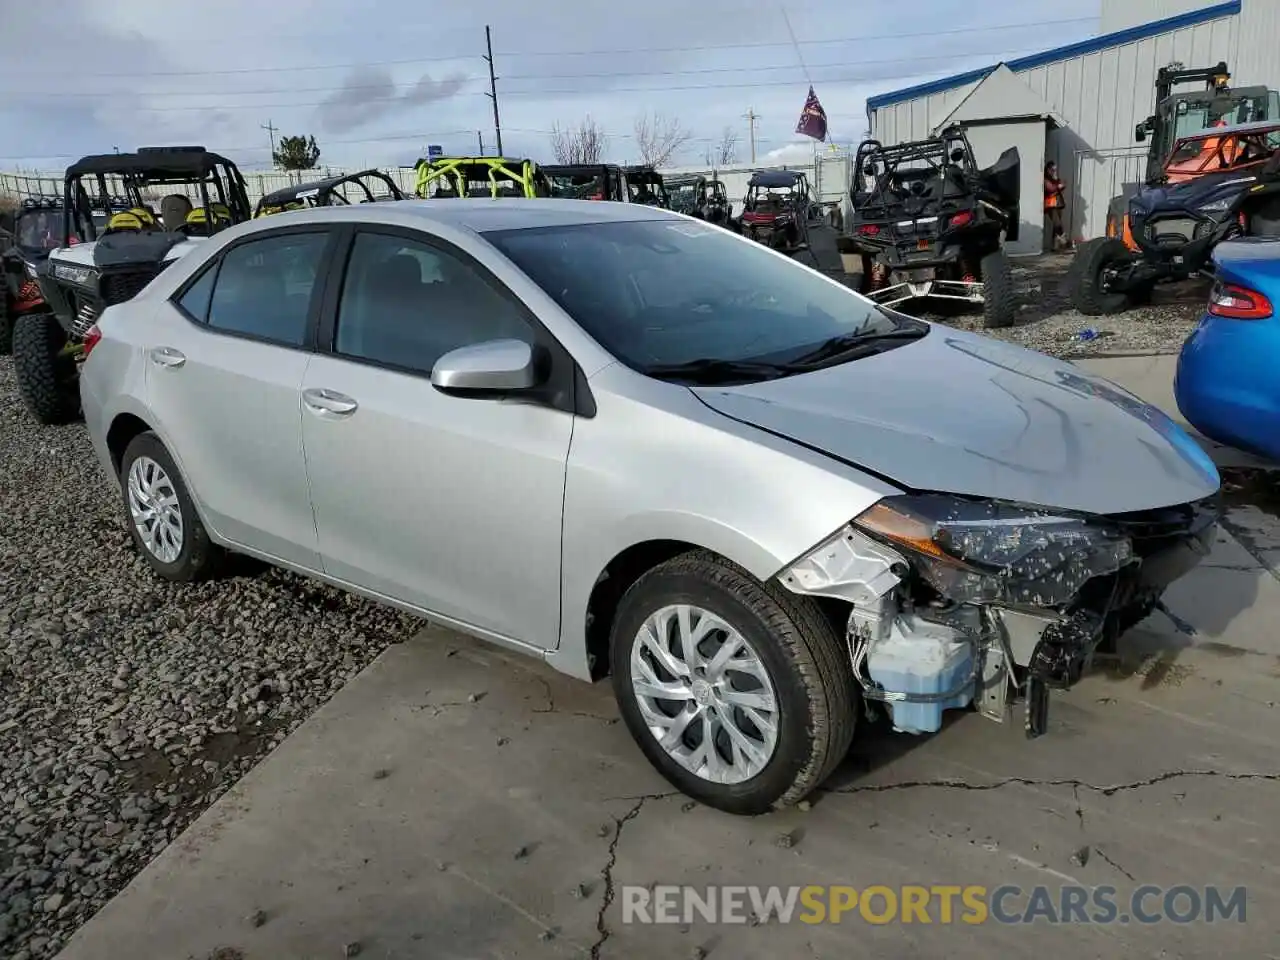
x=1103, y=96
x=915, y=119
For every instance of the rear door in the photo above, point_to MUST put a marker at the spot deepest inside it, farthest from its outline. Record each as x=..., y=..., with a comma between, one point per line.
x=224, y=371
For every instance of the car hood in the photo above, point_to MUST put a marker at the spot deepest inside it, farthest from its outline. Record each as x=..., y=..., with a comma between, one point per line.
x=962, y=413
x=82, y=254
x=1191, y=194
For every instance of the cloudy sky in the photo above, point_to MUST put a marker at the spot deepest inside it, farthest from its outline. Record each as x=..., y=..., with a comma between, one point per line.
x=376, y=81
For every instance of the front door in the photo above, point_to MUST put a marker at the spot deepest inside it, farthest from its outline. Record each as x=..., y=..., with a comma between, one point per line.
x=224, y=365
x=451, y=504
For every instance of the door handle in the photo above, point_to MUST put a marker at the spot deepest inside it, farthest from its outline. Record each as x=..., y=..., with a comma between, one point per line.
x=329, y=402
x=167, y=357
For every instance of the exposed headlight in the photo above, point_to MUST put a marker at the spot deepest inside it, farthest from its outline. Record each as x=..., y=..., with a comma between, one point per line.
x=31, y=271
x=1216, y=206
x=989, y=551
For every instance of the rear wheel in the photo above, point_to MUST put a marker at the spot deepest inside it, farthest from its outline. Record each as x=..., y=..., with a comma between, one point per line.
x=1086, y=277
x=46, y=372
x=738, y=692
x=161, y=514
x=6, y=321
x=999, y=309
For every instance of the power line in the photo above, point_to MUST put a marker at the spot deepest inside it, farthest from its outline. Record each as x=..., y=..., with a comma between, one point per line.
x=856, y=78
x=696, y=71
x=590, y=53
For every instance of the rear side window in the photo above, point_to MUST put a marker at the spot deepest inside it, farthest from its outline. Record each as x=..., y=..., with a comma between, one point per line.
x=264, y=287
x=195, y=302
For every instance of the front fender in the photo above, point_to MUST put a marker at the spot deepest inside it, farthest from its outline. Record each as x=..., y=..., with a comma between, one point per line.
x=656, y=464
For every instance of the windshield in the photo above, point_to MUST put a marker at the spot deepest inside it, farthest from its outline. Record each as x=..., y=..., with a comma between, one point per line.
x=684, y=196
x=656, y=293
x=645, y=187
x=577, y=186
x=39, y=230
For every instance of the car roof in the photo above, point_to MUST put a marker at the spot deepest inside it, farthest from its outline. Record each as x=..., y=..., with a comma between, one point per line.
x=775, y=178
x=479, y=215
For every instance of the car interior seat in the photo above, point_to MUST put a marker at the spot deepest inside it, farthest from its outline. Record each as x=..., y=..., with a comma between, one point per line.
x=173, y=211
x=386, y=321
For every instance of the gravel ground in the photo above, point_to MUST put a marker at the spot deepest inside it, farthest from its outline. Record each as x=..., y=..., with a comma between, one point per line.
x=1046, y=321
x=127, y=704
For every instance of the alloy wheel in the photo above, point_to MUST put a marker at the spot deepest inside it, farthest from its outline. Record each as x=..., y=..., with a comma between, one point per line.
x=704, y=694
x=153, y=504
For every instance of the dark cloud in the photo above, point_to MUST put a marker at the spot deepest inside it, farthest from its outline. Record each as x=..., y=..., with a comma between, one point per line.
x=371, y=93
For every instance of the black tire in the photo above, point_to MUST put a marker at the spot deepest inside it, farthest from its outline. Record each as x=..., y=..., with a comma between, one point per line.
x=199, y=557
x=802, y=652
x=6, y=321
x=47, y=377
x=999, y=308
x=1085, y=277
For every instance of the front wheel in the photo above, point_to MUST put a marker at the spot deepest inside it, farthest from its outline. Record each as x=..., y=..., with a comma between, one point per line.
x=46, y=371
x=1087, y=277
x=739, y=693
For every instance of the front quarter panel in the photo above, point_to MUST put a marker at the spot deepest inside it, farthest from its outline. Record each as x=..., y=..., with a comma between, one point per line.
x=656, y=464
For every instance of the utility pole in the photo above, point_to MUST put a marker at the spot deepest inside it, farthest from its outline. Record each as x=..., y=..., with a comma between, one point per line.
x=751, y=117
x=493, y=88
x=480, y=137
x=271, y=132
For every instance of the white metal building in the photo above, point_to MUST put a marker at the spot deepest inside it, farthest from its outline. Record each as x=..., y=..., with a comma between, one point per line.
x=1078, y=105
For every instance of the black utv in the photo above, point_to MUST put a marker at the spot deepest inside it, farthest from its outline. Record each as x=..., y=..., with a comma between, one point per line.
x=1219, y=184
x=928, y=223
x=699, y=197
x=645, y=185
x=26, y=237
x=587, y=181
x=114, y=242
x=367, y=186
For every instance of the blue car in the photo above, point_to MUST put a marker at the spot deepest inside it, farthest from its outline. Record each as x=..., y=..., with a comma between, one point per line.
x=1227, y=385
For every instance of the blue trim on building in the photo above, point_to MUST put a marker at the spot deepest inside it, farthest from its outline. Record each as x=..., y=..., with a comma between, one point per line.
x=1093, y=45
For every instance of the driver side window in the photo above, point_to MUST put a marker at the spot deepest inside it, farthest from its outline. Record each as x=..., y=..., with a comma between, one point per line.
x=406, y=303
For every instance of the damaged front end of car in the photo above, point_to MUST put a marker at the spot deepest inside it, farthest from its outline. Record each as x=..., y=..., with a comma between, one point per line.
x=956, y=602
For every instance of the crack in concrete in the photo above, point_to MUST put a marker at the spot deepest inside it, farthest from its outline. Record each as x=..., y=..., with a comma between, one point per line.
x=1105, y=790
x=1075, y=792
x=603, y=933
x=550, y=706
x=1102, y=853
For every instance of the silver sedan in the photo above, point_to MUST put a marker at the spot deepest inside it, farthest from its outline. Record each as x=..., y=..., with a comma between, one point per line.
x=640, y=447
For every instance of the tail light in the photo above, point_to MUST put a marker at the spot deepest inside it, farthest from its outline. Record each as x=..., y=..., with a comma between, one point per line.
x=1238, y=303
x=960, y=219
x=91, y=338
x=596, y=196
x=870, y=229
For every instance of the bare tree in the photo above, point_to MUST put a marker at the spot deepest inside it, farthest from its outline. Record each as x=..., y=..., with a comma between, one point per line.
x=581, y=144
x=724, y=152
x=659, y=138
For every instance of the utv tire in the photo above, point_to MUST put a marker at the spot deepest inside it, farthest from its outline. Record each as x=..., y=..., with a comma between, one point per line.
x=999, y=308
x=1085, y=277
x=784, y=637
x=47, y=377
x=150, y=481
x=6, y=322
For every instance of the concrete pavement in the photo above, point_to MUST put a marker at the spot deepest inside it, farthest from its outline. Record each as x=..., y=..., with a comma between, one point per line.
x=455, y=801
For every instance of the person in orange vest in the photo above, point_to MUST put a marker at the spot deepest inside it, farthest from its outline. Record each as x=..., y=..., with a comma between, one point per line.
x=1054, y=202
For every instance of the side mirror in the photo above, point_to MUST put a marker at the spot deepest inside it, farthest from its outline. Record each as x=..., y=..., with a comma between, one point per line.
x=957, y=155
x=495, y=366
x=1140, y=132
x=870, y=169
